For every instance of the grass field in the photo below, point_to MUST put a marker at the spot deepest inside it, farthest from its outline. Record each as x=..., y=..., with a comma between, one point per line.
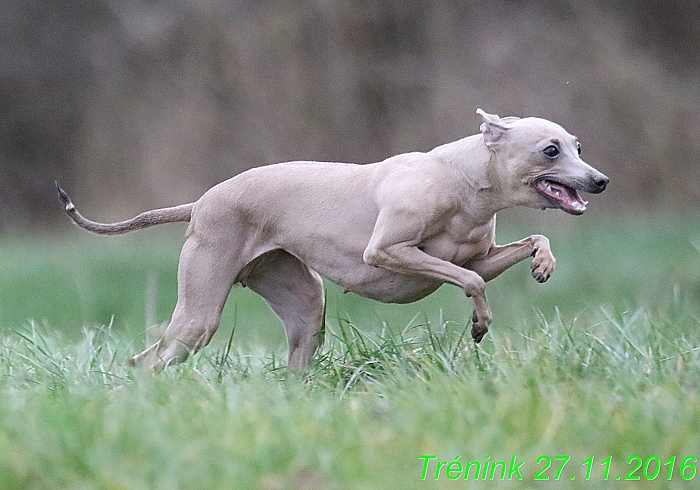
x=601, y=362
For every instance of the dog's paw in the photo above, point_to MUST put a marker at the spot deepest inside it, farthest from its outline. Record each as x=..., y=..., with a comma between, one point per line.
x=478, y=332
x=478, y=329
x=543, y=265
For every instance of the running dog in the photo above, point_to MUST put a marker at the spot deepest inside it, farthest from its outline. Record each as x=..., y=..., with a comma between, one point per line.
x=393, y=231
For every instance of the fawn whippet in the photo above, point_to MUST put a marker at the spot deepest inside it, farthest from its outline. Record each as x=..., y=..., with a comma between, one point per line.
x=393, y=231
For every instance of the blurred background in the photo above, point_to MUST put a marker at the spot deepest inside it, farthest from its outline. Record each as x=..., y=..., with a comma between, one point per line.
x=136, y=104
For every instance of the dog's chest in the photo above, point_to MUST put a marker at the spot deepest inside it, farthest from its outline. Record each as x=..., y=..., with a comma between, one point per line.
x=460, y=241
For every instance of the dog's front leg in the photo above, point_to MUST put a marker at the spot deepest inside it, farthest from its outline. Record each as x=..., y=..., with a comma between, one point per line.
x=500, y=258
x=404, y=258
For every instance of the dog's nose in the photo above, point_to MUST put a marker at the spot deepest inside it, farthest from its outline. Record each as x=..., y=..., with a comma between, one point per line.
x=600, y=181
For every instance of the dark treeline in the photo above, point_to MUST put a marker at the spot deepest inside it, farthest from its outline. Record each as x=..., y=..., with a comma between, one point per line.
x=135, y=104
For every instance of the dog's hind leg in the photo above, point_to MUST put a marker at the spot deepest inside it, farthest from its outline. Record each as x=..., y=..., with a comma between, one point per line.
x=295, y=293
x=205, y=278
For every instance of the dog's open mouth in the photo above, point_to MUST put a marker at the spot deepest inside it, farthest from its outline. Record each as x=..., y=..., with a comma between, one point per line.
x=561, y=196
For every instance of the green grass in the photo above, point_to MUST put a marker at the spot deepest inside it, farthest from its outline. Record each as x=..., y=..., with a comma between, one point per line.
x=602, y=361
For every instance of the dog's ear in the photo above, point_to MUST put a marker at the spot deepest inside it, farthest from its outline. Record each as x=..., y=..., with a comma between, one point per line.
x=494, y=128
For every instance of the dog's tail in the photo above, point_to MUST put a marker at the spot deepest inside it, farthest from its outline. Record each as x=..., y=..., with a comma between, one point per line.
x=143, y=220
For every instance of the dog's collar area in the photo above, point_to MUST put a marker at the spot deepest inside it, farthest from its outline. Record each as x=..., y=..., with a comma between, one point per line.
x=561, y=196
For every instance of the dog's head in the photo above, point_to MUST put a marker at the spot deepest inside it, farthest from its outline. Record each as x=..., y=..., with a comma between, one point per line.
x=538, y=163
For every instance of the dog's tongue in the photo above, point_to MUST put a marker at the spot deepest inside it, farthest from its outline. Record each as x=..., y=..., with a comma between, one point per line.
x=568, y=199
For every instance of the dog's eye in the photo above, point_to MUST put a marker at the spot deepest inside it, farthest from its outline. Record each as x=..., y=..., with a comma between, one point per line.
x=551, y=151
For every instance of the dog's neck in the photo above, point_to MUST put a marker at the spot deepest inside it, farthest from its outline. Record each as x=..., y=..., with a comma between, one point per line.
x=475, y=168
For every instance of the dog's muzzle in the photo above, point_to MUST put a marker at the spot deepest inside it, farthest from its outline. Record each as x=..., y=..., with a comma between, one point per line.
x=565, y=195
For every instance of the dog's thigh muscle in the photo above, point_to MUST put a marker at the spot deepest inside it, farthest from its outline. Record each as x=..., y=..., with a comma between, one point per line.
x=205, y=278
x=295, y=293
